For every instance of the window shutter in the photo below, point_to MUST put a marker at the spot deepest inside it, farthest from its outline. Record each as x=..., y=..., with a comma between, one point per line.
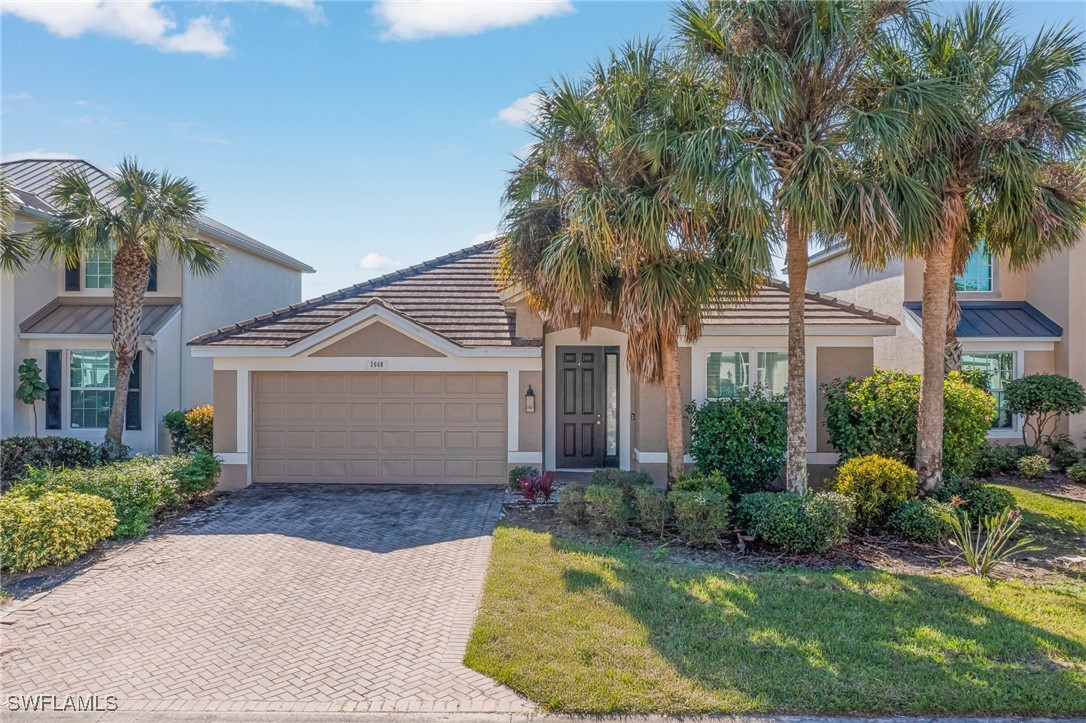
x=71, y=277
x=133, y=419
x=53, y=375
x=152, y=283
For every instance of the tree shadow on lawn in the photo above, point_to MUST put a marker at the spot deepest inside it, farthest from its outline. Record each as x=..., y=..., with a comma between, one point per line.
x=847, y=642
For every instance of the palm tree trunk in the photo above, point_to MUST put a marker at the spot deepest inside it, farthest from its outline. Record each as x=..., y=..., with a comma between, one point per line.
x=938, y=277
x=797, y=259
x=673, y=402
x=131, y=272
x=952, y=354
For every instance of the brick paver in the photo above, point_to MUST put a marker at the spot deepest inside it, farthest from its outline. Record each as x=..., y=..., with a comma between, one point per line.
x=303, y=598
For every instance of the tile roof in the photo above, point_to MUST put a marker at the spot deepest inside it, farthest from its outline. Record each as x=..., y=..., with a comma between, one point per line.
x=32, y=182
x=455, y=296
x=80, y=315
x=1002, y=319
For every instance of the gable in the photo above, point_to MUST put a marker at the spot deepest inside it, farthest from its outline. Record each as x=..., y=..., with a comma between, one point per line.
x=377, y=339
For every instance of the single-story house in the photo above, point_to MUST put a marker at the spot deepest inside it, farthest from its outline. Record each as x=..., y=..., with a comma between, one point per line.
x=432, y=374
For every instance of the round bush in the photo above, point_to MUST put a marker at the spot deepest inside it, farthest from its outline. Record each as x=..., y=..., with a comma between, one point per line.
x=700, y=516
x=50, y=528
x=607, y=509
x=921, y=521
x=794, y=522
x=1034, y=466
x=1077, y=472
x=878, y=415
x=701, y=482
x=571, y=506
x=745, y=438
x=983, y=501
x=652, y=509
x=877, y=484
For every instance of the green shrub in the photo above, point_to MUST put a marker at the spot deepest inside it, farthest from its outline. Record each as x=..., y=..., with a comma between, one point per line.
x=1077, y=472
x=138, y=488
x=794, y=522
x=517, y=473
x=700, y=482
x=921, y=521
x=1033, y=466
x=877, y=485
x=1062, y=450
x=1042, y=399
x=607, y=509
x=200, y=474
x=745, y=438
x=624, y=478
x=191, y=429
x=653, y=513
x=19, y=453
x=700, y=516
x=984, y=501
x=571, y=505
x=50, y=528
x=878, y=415
x=992, y=459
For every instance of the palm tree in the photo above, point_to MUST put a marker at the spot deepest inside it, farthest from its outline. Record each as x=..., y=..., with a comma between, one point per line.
x=140, y=216
x=1008, y=173
x=619, y=209
x=805, y=106
x=16, y=250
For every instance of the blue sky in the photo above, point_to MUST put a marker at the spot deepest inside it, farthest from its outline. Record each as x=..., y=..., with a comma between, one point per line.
x=356, y=136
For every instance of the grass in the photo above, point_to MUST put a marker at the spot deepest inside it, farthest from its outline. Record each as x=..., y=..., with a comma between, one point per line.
x=595, y=629
x=1055, y=522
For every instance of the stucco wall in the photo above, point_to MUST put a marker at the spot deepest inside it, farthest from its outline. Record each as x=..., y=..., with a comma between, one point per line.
x=226, y=411
x=651, y=409
x=837, y=363
x=377, y=340
x=530, y=427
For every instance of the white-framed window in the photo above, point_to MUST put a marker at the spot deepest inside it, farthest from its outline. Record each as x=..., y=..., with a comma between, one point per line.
x=977, y=274
x=92, y=377
x=728, y=372
x=98, y=269
x=1000, y=368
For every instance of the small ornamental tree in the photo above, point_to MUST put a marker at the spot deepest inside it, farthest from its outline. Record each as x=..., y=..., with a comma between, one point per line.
x=31, y=387
x=1042, y=399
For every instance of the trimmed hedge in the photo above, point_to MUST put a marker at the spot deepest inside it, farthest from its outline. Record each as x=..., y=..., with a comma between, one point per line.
x=1077, y=472
x=878, y=415
x=607, y=509
x=794, y=522
x=877, y=484
x=652, y=510
x=700, y=482
x=745, y=438
x=571, y=505
x=921, y=521
x=40, y=528
x=19, y=453
x=700, y=515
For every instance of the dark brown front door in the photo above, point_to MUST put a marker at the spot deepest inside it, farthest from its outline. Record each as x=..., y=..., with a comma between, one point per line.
x=580, y=396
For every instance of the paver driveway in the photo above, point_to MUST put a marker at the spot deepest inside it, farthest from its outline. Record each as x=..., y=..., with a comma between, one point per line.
x=279, y=598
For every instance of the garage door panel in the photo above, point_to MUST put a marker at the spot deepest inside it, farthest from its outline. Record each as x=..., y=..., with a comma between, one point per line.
x=379, y=427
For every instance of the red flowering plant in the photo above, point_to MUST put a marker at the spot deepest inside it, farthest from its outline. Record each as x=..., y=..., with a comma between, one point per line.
x=536, y=488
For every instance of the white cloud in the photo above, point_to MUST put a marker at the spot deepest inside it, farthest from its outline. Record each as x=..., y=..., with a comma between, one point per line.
x=485, y=236
x=197, y=132
x=376, y=262
x=521, y=111
x=418, y=19
x=15, y=97
x=140, y=21
x=313, y=11
x=40, y=155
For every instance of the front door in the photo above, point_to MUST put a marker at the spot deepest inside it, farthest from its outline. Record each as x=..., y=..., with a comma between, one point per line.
x=580, y=418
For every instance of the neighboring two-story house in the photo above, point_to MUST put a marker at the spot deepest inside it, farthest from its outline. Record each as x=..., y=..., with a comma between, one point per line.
x=63, y=318
x=1013, y=323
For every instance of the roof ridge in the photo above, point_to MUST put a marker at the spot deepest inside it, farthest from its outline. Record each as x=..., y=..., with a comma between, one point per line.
x=356, y=289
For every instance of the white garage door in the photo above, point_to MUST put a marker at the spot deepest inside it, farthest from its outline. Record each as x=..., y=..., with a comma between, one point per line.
x=382, y=427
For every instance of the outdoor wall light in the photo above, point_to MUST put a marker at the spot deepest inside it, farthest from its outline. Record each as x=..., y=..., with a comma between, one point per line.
x=529, y=400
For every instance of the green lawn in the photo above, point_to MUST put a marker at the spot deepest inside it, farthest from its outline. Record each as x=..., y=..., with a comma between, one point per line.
x=595, y=629
x=1055, y=522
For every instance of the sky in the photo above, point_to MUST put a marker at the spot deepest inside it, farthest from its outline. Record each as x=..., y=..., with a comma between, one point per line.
x=357, y=137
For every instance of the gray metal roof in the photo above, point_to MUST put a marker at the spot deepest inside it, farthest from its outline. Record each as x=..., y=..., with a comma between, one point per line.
x=33, y=183
x=80, y=315
x=1002, y=319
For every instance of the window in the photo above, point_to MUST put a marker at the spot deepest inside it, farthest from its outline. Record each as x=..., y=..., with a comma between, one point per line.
x=977, y=274
x=728, y=373
x=999, y=366
x=611, y=404
x=93, y=376
x=98, y=272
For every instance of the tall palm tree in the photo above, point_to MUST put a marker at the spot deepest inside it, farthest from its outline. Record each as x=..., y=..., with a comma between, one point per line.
x=619, y=210
x=805, y=104
x=16, y=250
x=1009, y=173
x=139, y=216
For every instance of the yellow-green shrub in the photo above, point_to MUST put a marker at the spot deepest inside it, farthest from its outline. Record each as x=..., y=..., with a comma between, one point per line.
x=51, y=528
x=878, y=485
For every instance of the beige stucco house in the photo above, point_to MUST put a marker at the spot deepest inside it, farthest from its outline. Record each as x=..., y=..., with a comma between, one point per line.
x=1013, y=322
x=63, y=318
x=431, y=374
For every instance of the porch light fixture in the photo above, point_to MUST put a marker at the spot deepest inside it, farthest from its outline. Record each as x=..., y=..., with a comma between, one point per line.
x=529, y=400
